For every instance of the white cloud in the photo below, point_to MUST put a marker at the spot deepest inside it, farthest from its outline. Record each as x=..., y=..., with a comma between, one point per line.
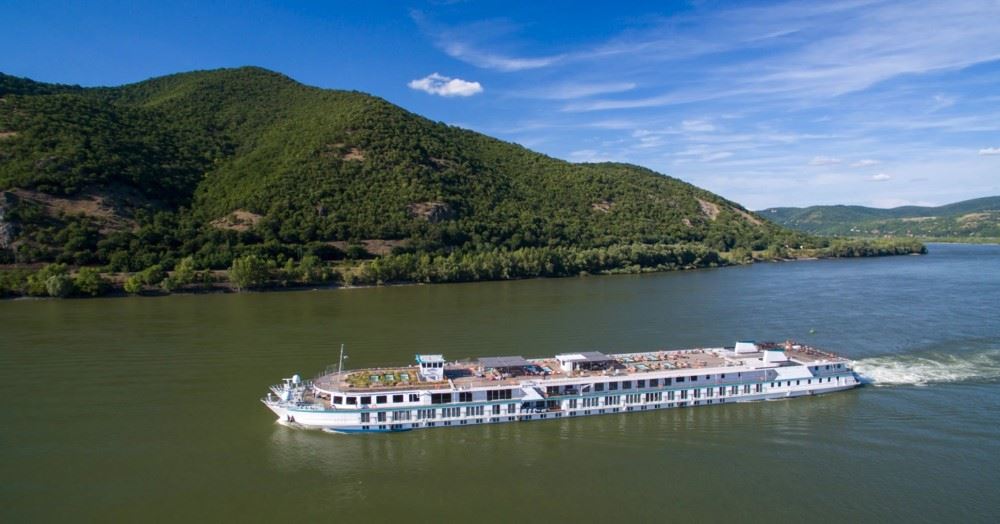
x=881, y=177
x=865, y=163
x=990, y=151
x=711, y=157
x=827, y=49
x=824, y=161
x=436, y=84
x=697, y=125
x=485, y=60
x=570, y=91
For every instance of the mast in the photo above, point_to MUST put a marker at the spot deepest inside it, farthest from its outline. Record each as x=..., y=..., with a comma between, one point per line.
x=340, y=367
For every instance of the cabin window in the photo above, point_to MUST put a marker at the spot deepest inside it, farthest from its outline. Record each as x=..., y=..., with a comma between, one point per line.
x=552, y=390
x=366, y=400
x=381, y=416
x=338, y=400
x=640, y=384
x=499, y=394
x=397, y=399
x=722, y=375
x=627, y=384
x=680, y=379
x=612, y=386
x=440, y=398
x=414, y=397
x=381, y=399
x=366, y=417
x=352, y=401
x=599, y=386
x=465, y=397
x=496, y=409
x=654, y=382
x=694, y=378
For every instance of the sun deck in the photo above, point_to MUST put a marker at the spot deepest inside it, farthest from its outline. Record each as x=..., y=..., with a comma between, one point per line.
x=513, y=371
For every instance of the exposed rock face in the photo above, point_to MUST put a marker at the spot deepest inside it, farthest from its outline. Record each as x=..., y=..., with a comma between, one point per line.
x=239, y=220
x=8, y=229
x=432, y=212
x=604, y=206
x=709, y=209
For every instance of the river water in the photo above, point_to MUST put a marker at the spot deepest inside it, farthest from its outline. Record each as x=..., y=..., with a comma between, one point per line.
x=147, y=408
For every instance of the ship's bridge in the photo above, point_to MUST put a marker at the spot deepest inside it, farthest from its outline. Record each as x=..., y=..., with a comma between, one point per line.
x=431, y=367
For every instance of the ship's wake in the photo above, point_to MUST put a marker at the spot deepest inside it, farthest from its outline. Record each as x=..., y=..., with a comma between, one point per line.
x=930, y=368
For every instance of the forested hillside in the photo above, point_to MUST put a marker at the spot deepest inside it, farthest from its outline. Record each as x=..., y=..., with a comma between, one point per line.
x=970, y=219
x=212, y=169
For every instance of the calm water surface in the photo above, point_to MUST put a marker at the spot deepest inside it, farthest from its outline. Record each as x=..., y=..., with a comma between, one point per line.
x=146, y=408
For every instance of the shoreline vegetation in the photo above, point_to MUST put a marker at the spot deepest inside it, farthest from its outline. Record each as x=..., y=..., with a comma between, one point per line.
x=261, y=273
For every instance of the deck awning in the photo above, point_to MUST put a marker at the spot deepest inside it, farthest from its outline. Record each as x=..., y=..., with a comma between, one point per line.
x=586, y=356
x=531, y=394
x=503, y=362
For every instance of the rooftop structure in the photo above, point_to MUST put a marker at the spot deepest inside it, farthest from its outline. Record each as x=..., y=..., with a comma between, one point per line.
x=503, y=362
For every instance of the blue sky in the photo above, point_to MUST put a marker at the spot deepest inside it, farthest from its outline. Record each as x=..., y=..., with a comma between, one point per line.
x=856, y=102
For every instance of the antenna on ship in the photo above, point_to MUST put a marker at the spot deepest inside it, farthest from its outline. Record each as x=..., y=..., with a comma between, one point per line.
x=340, y=367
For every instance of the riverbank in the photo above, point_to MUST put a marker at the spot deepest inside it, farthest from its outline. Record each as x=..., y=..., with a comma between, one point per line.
x=259, y=274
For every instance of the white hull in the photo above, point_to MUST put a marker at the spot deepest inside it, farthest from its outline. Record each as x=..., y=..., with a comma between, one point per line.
x=350, y=421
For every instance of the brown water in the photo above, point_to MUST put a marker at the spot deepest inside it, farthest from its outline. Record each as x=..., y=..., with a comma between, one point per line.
x=147, y=408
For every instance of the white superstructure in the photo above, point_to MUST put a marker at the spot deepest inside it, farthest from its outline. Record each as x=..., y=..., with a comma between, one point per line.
x=436, y=393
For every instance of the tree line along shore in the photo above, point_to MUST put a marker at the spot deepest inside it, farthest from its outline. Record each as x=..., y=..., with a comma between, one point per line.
x=257, y=272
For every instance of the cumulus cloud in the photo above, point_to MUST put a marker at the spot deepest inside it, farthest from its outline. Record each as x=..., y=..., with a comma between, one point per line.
x=865, y=163
x=990, y=151
x=824, y=161
x=881, y=177
x=441, y=85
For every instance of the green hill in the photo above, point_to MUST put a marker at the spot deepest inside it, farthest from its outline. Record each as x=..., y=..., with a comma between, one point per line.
x=218, y=165
x=973, y=219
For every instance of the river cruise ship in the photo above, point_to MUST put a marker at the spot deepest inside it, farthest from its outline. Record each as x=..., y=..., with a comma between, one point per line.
x=434, y=393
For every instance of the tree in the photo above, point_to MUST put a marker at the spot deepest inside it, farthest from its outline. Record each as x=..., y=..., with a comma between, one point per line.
x=248, y=272
x=152, y=275
x=89, y=282
x=59, y=285
x=38, y=282
x=310, y=269
x=184, y=271
x=133, y=285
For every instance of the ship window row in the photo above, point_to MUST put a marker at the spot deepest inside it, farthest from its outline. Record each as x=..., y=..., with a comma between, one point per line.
x=507, y=394
x=379, y=399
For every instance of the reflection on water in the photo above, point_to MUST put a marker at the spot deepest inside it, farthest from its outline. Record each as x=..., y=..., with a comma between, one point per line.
x=345, y=456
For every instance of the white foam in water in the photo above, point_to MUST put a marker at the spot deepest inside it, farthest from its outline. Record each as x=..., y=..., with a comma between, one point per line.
x=921, y=370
